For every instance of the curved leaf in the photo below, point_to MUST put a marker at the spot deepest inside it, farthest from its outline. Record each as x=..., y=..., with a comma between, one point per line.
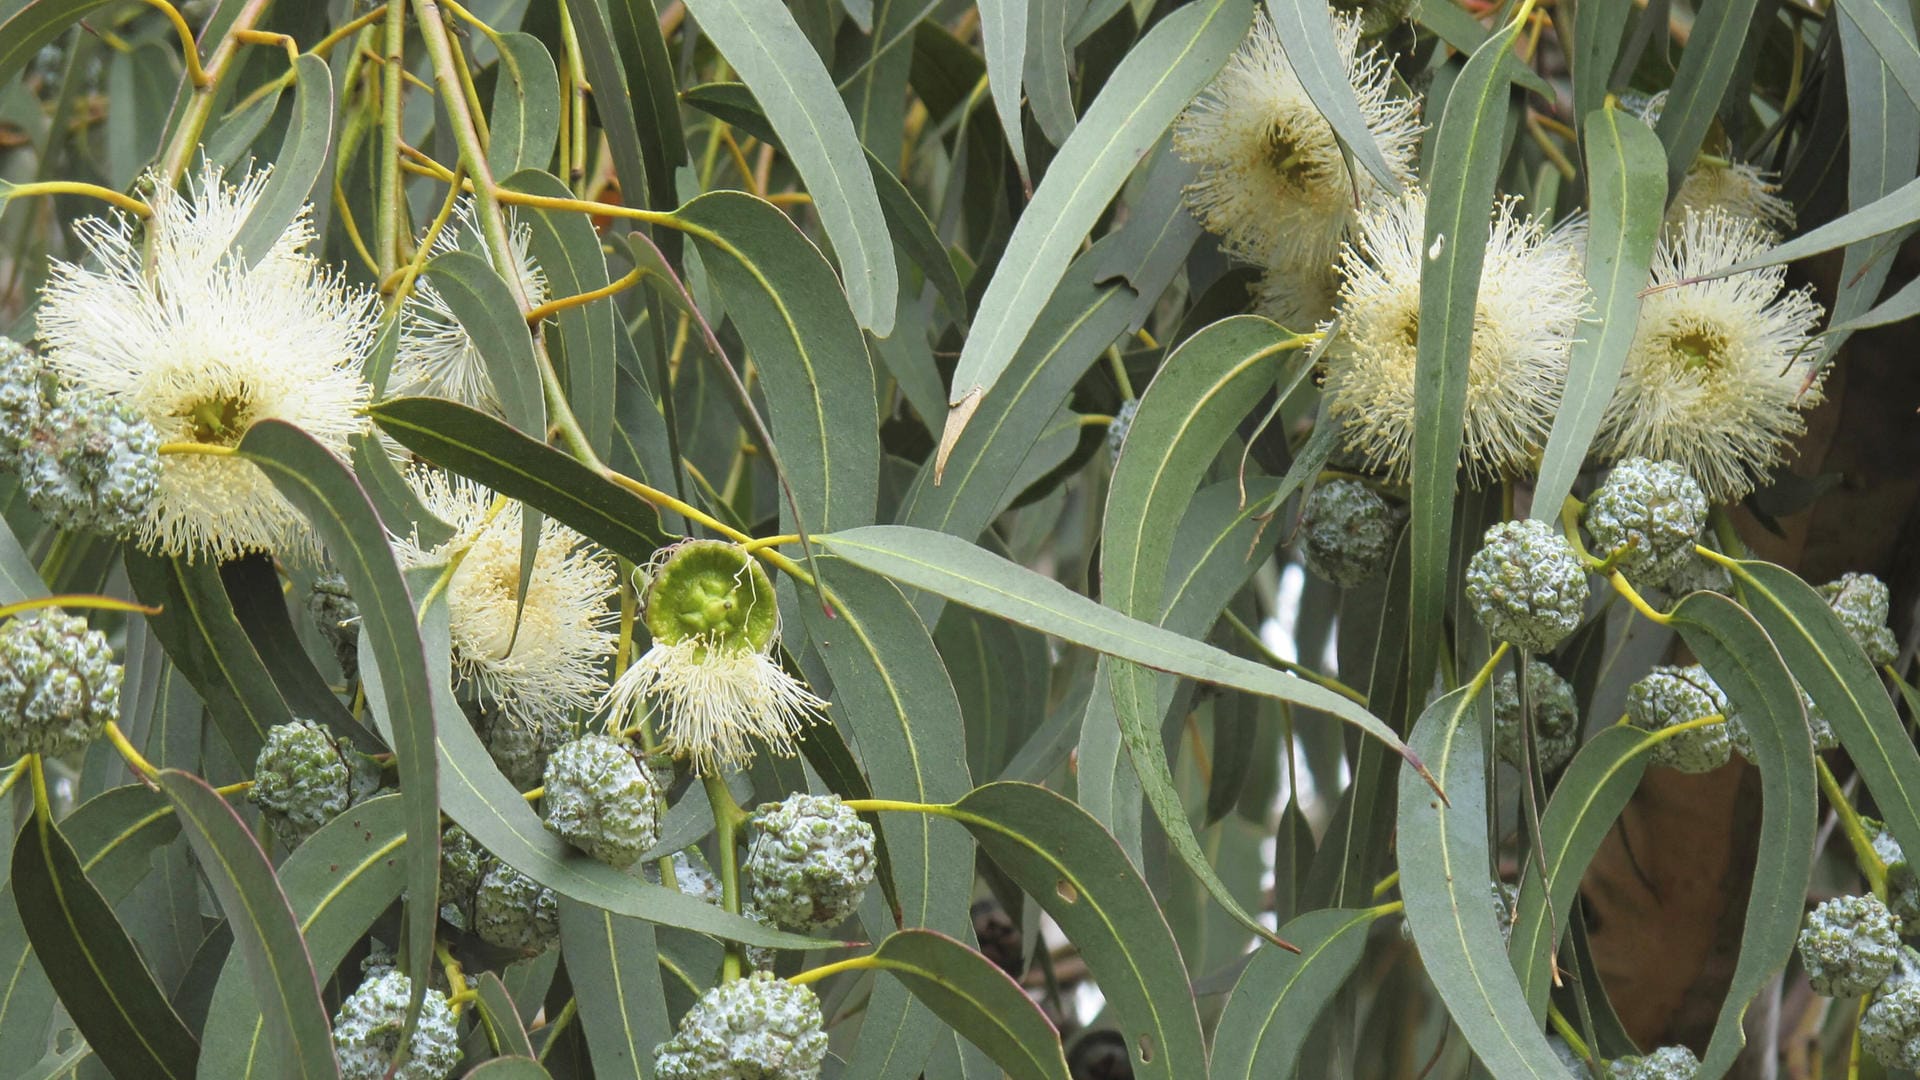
x=633, y=26
x=1736, y=652
x=612, y=964
x=35, y=24
x=207, y=644
x=114, y=835
x=525, y=119
x=1279, y=997
x=1827, y=662
x=1626, y=178
x=1444, y=871
x=1153, y=82
x=1072, y=867
x=892, y=697
x=1700, y=83
x=302, y=157
x=1205, y=388
x=1003, y=39
x=1585, y=804
x=733, y=103
x=568, y=250
x=477, y=446
x=1465, y=167
x=92, y=963
x=810, y=354
x=509, y=1068
x=763, y=43
x=982, y=580
x=323, y=488
x=977, y=999
x=264, y=931
x=479, y=297
x=337, y=883
x=1305, y=30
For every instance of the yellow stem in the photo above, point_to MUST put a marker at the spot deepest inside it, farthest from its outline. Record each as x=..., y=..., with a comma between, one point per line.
x=534, y=794
x=1856, y=830
x=269, y=37
x=135, y=758
x=764, y=542
x=554, y=307
x=1621, y=586
x=865, y=806
x=208, y=449
x=197, y=74
x=348, y=29
x=75, y=600
x=74, y=187
x=1391, y=907
x=1385, y=884
x=473, y=20
x=856, y=963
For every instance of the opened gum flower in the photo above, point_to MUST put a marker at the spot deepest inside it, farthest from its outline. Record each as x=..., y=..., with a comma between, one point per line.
x=1272, y=182
x=437, y=356
x=1719, y=371
x=1533, y=295
x=535, y=661
x=206, y=341
x=712, y=668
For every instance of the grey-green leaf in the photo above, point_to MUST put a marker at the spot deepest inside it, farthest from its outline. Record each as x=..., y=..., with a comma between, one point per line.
x=323, y=488
x=1734, y=649
x=526, y=107
x=1706, y=66
x=1626, y=181
x=1465, y=169
x=979, y=579
x=303, y=154
x=1306, y=32
x=264, y=931
x=977, y=999
x=1280, y=995
x=1444, y=875
x=763, y=43
x=1156, y=79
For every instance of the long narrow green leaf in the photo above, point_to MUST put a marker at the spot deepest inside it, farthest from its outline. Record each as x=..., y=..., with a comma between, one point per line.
x=979, y=579
x=337, y=882
x=1586, y=803
x=1897, y=210
x=893, y=700
x=763, y=43
x=482, y=448
x=635, y=25
x=1156, y=79
x=1734, y=649
x=1003, y=37
x=733, y=103
x=324, y=489
x=1890, y=32
x=1828, y=664
x=1306, y=32
x=1072, y=867
x=1209, y=384
x=92, y=963
x=1048, y=75
x=480, y=299
x=1444, y=871
x=1706, y=67
x=1626, y=181
x=1459, y=202
x=1279, y=997
x=1598, y=29
x=977, y=999
x=1883, y=146
x=35, y=24
x=303, y=154
x=264, y=930
x=612, y=963
x=525, y=120
x=114, y=835
x=811, y=356
x=568, y=249
x=208, y=645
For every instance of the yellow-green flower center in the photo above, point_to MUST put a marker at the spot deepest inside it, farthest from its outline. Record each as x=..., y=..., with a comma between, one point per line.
x=714, y=592
x=1697, y=346
x=220, y=420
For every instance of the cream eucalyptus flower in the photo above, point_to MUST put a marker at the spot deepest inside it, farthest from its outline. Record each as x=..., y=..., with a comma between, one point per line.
x=554, y=660
x=437, y=356
x=1272, y=183
x=201, y=343
x=1533, y=295
x=713, y=670
x=1718, y=182
x=1719, y=371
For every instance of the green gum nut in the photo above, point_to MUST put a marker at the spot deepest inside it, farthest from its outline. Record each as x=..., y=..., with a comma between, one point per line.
x=715, y=591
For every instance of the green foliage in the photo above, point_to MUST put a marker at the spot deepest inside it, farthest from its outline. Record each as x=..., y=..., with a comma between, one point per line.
x=1101, y=715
